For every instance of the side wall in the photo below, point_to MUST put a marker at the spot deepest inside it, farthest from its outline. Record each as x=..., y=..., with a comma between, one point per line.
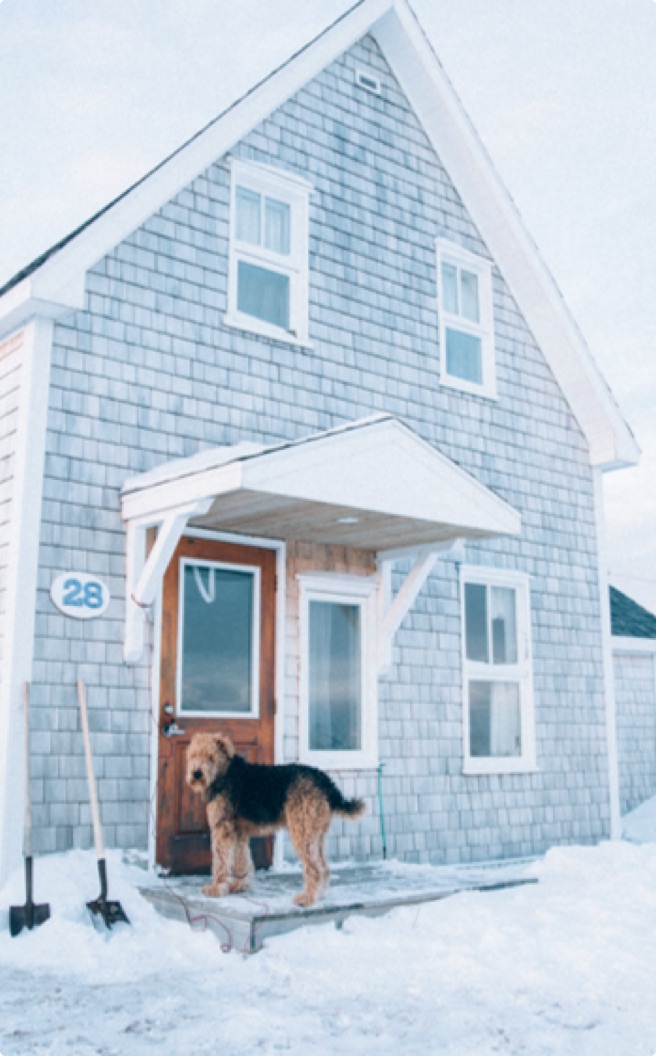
x=635, y=695
x=149, y=372
x=10, y=377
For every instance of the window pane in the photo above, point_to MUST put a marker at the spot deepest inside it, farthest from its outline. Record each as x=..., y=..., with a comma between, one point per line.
x=504, y=626
x=217, y=640
x=277, y=219
x=248, y=216
x=450, y=288
x=263, y=294
x=334, y=692
x=469, y=296
x=463, y=356
x=476, y=622
x=494, y=719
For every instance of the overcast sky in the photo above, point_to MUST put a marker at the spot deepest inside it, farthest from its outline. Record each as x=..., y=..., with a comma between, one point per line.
x=562, y=92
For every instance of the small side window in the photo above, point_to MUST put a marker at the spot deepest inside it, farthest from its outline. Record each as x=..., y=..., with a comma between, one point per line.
x=497, y=679
x=465, y=313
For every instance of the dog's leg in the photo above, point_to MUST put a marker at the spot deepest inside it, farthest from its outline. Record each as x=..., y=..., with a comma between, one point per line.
x=223, y=852
x=308, y=820
x=323, y=864
x=243, y=866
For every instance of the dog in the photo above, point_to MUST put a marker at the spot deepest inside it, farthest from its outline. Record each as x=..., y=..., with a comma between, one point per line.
x=252, y=799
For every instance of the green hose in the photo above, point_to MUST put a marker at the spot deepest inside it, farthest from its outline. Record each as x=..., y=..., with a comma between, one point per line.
x=382, y=812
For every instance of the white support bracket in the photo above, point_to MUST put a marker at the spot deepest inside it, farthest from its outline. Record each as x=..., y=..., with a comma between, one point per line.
x=392, y=611
x=145, y=572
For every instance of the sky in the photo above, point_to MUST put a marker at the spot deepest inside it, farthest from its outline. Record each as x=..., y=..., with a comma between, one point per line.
x=562, y=94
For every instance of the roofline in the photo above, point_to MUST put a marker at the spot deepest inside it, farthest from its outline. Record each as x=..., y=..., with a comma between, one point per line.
x=54, y=283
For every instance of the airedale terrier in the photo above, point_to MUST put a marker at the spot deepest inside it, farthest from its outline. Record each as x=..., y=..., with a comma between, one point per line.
x=250, y=799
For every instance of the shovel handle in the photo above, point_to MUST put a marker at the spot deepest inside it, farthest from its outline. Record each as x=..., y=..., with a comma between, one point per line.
x=27, y=828
x=93, y=795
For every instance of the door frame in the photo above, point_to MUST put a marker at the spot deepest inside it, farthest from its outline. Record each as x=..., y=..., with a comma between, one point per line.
x=155, y=661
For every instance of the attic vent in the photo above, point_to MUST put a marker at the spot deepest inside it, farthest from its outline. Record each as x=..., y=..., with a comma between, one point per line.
x=368, y=82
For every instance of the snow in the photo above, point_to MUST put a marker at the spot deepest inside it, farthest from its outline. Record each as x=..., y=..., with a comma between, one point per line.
x=562, y=966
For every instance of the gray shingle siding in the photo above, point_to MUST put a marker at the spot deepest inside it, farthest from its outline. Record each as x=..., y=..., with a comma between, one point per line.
x=149, y=372
x=635, y=695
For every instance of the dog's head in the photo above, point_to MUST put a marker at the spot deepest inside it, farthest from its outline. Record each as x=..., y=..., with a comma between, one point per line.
x=208, y=756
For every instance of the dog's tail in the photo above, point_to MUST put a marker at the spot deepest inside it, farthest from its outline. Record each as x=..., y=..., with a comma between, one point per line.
x=348, y=808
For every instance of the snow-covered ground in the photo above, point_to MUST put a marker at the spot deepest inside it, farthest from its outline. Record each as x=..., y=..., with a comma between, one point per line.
x=566, y=966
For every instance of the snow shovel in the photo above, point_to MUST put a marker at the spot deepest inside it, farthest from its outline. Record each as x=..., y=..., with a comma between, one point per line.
x=30, y=915
x=109, y=912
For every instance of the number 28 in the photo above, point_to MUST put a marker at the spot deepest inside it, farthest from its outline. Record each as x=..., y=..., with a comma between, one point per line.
x=88, y=595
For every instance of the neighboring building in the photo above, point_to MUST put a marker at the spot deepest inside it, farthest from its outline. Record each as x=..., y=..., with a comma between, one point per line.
x=634, y=664
x=312, y=378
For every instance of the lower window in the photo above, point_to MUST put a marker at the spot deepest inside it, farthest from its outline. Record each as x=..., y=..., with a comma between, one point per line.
x=498, y=706
x=338, y=697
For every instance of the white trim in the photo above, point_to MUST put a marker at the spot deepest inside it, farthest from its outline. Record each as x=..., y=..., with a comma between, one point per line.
x=607, y=653
x=352, y=590
x=639, y=646
x=368, y=81
x=520, y=673
x=452, y=253
x=21, y=587
x=251, y=570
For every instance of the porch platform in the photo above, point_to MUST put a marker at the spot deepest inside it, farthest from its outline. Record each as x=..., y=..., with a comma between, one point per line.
x=244, y=922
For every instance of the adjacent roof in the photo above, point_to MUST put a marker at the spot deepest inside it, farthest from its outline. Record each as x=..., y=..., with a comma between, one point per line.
x=628, y=619
x=372, y=484
x=55, y=282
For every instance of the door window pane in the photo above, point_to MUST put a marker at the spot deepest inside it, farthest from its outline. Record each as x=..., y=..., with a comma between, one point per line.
x=464, y=355
x=263, y=294
x=334, y=677
x=248, y=216
x=217, y=669
x=494, y=719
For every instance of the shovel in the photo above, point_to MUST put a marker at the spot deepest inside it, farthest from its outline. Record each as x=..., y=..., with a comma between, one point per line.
x=30, y=915
x=109, y=912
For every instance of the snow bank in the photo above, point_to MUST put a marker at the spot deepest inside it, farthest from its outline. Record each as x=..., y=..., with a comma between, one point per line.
x=640, y=825
x=564, y=966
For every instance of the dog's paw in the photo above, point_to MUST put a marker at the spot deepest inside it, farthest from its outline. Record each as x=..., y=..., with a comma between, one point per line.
x=216, y=890
x=305, y=900
x=239, y=885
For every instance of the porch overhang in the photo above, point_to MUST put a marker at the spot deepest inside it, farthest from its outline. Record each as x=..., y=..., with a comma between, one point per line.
x=372, y=485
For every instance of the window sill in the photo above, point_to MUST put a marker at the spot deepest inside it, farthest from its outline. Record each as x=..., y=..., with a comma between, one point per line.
x=340, y=760
x=486, y=392
x=496, y=767
x=251, y=325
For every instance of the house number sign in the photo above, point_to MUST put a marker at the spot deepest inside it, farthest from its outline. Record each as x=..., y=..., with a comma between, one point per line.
x=80, y=595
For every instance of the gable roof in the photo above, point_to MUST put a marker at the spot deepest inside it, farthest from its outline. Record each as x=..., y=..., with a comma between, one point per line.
x=54, y=283
x=628, y=619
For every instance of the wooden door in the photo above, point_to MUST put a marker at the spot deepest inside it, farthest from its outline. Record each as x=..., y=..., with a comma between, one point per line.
x=217, y=674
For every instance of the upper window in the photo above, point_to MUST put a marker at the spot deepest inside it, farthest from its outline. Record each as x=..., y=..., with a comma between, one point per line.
x=465, y=310
x=498, y=713
x=338, y=705
x=268, y=273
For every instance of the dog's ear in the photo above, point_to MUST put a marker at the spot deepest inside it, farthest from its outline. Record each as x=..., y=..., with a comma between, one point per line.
x=225, y=745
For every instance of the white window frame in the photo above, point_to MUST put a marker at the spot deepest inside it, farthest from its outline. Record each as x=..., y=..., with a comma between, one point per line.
x=458, y=257
x=295, y=192
x=521, y=672
x=348, y=590
x=255, y=573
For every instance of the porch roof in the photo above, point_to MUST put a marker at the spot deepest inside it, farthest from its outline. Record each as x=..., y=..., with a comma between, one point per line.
x=372, y=484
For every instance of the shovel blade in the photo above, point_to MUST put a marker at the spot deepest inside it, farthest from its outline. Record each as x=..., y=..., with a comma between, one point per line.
x=27, y=916
x=110, y=912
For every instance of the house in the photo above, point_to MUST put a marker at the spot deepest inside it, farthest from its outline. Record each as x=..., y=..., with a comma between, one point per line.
x=634, y=666
x=302, y=443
